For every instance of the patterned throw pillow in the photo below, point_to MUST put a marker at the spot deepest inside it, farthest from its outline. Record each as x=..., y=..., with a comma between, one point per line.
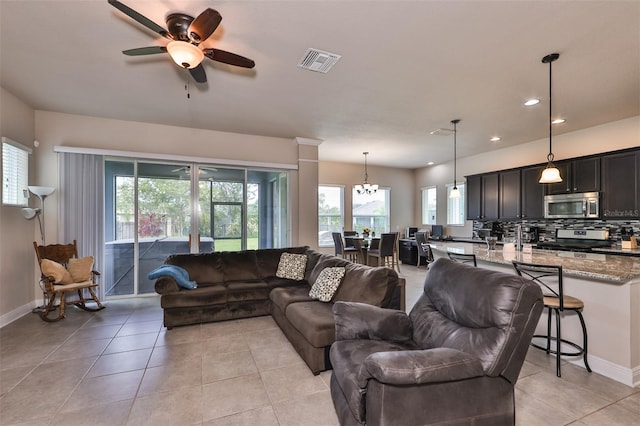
x=80, y=269
x=292, y=266
x=55, y=270
x=327, y=283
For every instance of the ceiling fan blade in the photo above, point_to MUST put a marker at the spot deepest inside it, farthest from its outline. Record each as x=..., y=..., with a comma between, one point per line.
x=139, y=17
x=229, y=58
x=152, y=50
x=204, y=25
x=198, y=74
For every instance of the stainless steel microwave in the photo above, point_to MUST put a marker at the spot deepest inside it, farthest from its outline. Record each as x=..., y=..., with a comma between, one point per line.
x=584, y=205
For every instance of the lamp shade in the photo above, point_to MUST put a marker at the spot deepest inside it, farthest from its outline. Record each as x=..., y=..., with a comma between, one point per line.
x=455, y=193
x=41, y=191
x=186, y=55
x=551, y=174
x=29, y=213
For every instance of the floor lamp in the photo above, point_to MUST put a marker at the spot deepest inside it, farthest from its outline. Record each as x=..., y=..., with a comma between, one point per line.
x=28, y=213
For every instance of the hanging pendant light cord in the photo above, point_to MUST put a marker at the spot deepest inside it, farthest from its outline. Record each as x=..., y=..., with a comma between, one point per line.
x=550, y=155
x=455, y=155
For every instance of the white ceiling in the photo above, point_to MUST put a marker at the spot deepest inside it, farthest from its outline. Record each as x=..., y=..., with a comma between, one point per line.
x=407, y=67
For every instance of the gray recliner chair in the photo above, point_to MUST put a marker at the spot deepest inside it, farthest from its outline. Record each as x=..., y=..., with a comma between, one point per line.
x=454, y=359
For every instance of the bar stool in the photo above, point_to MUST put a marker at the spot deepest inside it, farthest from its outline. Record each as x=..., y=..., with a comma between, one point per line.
x=558, y=302
x=462, y=258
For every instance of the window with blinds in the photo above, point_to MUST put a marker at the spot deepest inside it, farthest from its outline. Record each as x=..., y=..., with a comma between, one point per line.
x=15, y=173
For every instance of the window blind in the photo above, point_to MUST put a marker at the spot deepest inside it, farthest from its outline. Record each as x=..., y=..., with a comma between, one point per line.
x=15, y=173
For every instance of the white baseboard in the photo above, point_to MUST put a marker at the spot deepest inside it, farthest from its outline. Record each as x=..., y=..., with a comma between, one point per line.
x=624, y=375
x=18, y=312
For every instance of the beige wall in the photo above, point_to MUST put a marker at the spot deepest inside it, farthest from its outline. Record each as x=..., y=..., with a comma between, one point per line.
x=607, y=137
x=17, y=259
x=401, y=182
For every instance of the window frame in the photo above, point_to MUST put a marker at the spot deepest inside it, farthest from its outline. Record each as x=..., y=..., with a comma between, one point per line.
x=424, y=191
x=387, y=216
x=461, y=205
x=325, y=242
x=15, y=177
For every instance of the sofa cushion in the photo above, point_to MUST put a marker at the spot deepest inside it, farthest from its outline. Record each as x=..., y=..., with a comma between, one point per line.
x=282, y=297
x=366, y=285
x=292, y=266
x=240, y=266
x=268, y=260
x=201, y=296
x=327, y=283
x=326, y=261
x=240, y=291
x=202, y=267
x=274, y=282
x=314, y=320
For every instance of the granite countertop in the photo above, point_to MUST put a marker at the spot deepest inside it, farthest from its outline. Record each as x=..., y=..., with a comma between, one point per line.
x=598, y=266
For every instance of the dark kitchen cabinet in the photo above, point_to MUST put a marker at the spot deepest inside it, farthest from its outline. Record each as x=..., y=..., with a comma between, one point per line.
x=532, y=193
x=509, y=195
x=482, y=196
x=581, y=175
x=409, y=253
x=473, y=190
x=621, y=185
x=490, y=196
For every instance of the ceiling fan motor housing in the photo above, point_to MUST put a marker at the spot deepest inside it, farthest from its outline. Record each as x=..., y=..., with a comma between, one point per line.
x=178, y=26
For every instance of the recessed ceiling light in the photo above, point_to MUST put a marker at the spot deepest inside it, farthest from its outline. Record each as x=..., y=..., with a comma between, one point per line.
x=495, y=139
x=531, y=102
x=430, y=163
x=558, y=121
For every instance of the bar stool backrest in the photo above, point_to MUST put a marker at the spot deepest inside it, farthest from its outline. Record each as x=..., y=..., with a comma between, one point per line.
x=549, y=277
x=463, y=258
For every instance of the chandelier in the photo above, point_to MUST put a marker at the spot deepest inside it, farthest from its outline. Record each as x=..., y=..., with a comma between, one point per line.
x=366, y=187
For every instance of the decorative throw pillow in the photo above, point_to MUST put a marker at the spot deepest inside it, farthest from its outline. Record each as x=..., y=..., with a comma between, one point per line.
x=292, y=266
x=80, y=269
x=327, y=283
x=55, y=270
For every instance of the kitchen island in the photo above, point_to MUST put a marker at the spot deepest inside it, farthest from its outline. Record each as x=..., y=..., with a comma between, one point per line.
x=609, y=286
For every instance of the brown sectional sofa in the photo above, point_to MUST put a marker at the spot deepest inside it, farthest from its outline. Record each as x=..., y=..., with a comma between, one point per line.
x=243, y=284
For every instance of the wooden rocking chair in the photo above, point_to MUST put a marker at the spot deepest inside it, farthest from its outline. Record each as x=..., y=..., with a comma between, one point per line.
x=57, y=280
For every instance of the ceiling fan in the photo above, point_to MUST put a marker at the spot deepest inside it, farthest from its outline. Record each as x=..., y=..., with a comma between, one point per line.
x=186, y=34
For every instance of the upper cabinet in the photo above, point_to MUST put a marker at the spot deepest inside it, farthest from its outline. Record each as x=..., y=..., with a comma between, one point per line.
x=580, y=175
x=482, y=196
x=621, y=185
x=510, y=195
x=532, y=193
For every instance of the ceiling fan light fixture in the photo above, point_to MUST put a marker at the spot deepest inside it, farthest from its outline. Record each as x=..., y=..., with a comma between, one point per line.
x=185, y=54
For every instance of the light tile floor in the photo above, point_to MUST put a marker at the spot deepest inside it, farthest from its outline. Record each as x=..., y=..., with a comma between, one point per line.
x=121, y=367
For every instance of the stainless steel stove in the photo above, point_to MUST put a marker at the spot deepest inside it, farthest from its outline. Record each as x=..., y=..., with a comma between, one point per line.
x=582, y=240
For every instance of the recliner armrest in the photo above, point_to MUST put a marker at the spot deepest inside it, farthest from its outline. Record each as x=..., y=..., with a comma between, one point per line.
x=362, y=321
x=421, y=366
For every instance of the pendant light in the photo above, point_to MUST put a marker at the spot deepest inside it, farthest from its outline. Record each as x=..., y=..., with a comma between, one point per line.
x=366, y=187
x=455, y=193
x=550, y=174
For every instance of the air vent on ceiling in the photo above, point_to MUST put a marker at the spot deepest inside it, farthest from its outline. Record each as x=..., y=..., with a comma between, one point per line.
x=441, y=132
x=317, y=60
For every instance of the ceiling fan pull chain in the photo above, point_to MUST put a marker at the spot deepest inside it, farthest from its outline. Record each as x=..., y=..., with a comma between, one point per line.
x=186, y=83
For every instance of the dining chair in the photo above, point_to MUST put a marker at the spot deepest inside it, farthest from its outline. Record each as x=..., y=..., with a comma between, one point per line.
x=387, y=251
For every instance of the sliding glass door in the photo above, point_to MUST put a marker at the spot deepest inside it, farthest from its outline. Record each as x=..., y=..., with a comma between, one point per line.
x=152, y=210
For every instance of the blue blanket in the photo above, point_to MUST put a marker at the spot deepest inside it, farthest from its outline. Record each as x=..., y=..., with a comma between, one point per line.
x=177, y=273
